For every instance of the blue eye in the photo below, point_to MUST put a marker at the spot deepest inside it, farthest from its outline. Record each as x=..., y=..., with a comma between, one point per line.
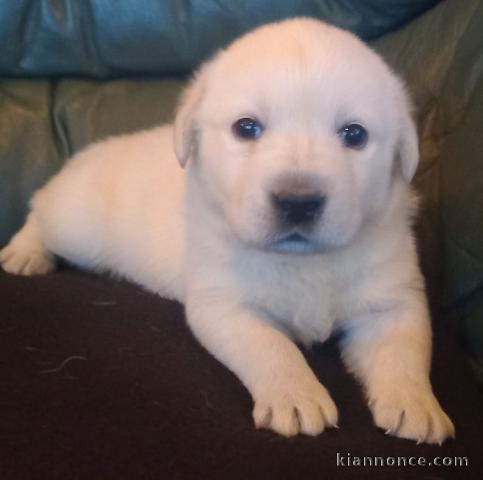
x=247, y=128
x=353, y=135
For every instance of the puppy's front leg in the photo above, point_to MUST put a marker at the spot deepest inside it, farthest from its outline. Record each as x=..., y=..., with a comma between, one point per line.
x=389, y=351
x=287, y=396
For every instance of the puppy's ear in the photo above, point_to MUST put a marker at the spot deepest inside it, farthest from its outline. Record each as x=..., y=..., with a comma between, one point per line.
x=185, y=124
x=407, y=149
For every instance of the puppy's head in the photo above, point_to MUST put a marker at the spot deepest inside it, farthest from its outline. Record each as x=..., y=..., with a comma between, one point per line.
x=296, y=133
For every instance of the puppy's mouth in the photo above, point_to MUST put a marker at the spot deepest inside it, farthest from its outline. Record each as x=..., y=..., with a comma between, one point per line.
x=295, y=243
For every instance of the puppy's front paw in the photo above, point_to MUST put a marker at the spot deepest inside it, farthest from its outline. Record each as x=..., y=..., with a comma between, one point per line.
x=20, y=259
x=411, y=411
x=290, y=408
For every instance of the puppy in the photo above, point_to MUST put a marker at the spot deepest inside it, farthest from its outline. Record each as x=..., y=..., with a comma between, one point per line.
x=291, y=219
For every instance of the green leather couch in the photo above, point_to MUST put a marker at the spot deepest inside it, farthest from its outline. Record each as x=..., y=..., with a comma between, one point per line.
x=99, y=379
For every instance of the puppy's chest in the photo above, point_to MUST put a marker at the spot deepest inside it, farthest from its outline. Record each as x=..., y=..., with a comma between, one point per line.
x=294, y=298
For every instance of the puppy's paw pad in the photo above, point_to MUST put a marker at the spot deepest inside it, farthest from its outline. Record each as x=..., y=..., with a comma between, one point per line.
x=414, y=415
x=296, y=411
x=25, y=261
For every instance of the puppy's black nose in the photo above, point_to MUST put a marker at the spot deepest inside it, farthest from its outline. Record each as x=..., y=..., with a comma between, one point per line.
x=297, y=209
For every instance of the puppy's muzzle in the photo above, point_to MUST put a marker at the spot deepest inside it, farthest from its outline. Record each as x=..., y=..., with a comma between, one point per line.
x=295, y=210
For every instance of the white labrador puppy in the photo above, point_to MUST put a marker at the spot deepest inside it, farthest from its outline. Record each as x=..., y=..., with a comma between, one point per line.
x=291, y=219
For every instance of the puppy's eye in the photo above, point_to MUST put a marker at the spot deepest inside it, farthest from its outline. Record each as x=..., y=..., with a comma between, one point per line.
x=247, y=128
x=353, y=135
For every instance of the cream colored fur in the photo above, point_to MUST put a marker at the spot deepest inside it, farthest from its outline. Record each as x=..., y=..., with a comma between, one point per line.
x=203, y=235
